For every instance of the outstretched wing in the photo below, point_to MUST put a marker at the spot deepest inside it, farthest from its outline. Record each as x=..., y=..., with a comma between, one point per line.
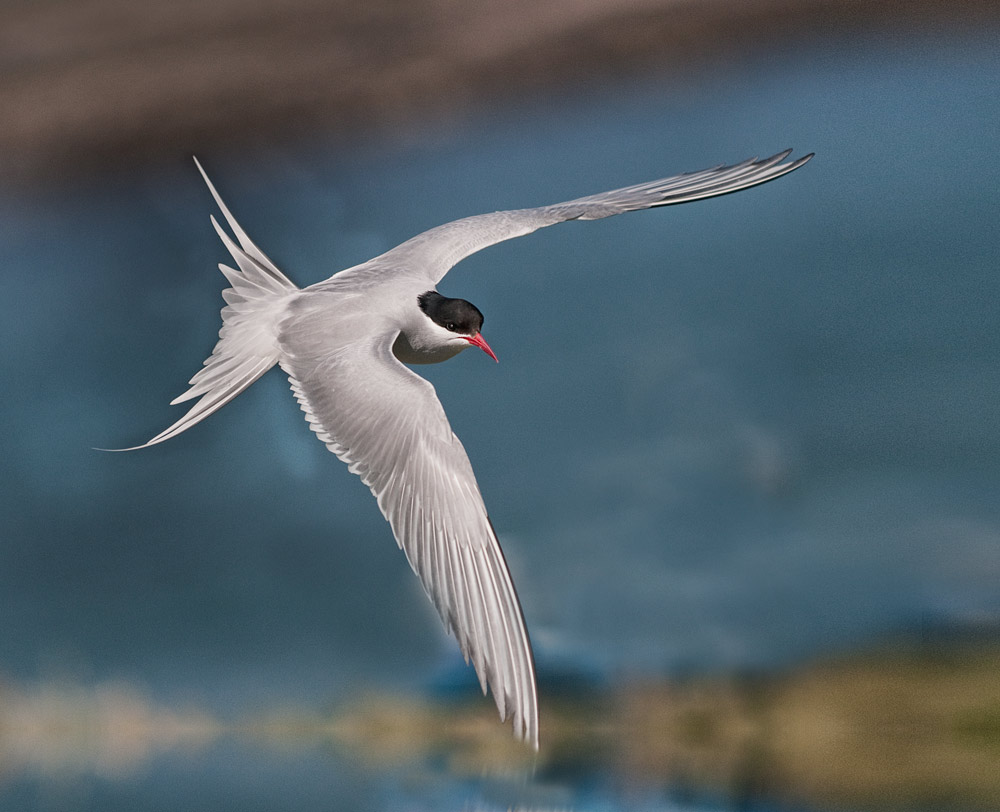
x=387, y=424
x=433, y=253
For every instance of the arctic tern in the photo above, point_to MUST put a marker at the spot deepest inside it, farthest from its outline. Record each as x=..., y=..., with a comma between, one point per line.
x=344, y=344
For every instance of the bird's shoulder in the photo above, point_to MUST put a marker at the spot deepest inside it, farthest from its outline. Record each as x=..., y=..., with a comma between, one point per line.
x=321, y=319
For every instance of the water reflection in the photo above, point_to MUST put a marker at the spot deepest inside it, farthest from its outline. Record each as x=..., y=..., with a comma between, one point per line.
x=899, y=728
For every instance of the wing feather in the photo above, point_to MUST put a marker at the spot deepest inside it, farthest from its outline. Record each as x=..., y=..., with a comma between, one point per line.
x=433, y=253
x=395, y=435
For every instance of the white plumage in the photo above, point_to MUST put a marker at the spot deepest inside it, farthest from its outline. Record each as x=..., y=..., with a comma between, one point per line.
x=336, y=339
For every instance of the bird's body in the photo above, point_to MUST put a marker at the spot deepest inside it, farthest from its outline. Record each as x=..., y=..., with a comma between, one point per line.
x=343, y=343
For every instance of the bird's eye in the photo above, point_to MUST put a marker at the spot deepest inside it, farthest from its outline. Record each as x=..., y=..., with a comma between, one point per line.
x=451, y=326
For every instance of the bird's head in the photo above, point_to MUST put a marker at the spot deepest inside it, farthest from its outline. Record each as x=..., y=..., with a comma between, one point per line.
x=457, y=322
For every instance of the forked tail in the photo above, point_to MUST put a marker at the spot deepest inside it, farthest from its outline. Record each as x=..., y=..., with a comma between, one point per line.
x=247, y=345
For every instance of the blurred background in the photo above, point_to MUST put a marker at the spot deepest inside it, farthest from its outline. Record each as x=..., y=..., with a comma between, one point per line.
x=743, y=455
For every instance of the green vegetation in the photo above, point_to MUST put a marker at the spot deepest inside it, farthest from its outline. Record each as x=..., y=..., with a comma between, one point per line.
x=892, y=729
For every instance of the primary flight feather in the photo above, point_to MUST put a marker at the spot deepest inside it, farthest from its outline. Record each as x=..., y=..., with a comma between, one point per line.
x=344, y=343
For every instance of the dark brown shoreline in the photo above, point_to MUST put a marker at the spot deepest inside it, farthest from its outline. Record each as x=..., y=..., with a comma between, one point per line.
x=104, y=83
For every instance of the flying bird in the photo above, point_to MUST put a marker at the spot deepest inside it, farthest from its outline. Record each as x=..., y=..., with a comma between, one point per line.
x=345, y=344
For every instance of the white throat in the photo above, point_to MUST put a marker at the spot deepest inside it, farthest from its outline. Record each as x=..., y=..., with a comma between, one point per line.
x=423, y=352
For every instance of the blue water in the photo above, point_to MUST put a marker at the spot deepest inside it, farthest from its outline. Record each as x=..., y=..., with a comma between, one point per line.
x=734, y=434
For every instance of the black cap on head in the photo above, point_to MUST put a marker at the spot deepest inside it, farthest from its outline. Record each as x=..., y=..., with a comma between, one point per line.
x=457, y=315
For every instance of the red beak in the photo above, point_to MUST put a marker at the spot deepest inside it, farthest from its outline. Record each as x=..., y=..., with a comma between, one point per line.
x=478, y=341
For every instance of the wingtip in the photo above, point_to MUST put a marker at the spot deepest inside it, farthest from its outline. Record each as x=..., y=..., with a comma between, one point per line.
x=529, y=736
x=798, y=161
x=778, y=157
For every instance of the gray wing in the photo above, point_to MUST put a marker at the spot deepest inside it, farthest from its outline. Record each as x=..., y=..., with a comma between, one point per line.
x=434, y=252
x=387, y=424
